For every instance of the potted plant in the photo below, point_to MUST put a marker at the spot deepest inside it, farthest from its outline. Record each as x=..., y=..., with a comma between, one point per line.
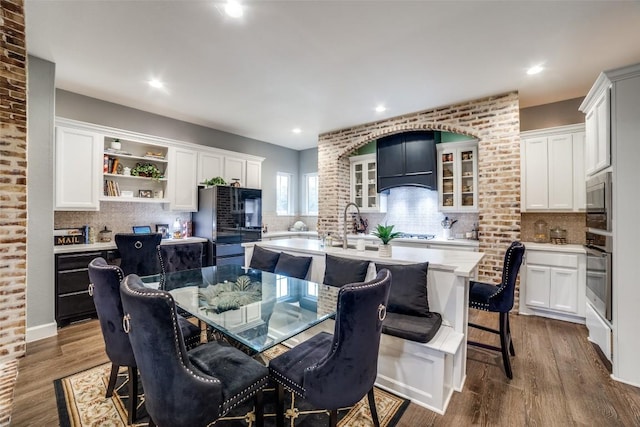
x=218, y=180
x=148, y=170
x=386, y=234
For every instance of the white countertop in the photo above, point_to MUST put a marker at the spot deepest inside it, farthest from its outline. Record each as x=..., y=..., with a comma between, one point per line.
x=578, y=249
x=369, y=237
x=462, y=263
x=66, y=249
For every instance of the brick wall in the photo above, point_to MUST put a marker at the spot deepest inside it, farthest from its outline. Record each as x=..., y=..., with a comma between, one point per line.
x=13, y=196
x=494, y=121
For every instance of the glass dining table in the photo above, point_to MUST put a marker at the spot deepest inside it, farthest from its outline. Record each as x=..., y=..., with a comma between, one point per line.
x=255, y=308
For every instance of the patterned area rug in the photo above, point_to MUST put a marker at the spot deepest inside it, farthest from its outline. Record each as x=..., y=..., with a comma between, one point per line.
x=81, y=403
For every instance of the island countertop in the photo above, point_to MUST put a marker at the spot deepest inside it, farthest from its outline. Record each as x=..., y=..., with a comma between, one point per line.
x=461, y=263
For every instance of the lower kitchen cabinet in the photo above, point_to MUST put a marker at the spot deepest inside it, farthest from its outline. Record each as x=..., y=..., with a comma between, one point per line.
x=73, y=301
x=552, y=282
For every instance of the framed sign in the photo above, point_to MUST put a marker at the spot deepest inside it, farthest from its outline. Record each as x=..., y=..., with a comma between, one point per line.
x=145, y=194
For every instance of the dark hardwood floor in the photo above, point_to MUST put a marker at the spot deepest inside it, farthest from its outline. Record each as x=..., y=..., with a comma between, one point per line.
x=559, y=380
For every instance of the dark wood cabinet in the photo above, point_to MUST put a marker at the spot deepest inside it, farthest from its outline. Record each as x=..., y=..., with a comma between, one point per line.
x=73, y=301
x=407, y=159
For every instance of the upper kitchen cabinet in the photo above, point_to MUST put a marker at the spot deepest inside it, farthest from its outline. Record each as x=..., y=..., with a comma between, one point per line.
x=230, y=166
x=406, y=159
x=210, y=165
x=77, y=168
x=552, y=167
x=364, y=191
x=598, y=128
x=183, y=188
x=458, y=176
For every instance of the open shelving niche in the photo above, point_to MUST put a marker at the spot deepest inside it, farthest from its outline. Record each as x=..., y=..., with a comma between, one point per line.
x=130, y=154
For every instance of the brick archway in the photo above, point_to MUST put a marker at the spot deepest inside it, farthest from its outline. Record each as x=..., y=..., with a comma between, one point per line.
x=494, y=121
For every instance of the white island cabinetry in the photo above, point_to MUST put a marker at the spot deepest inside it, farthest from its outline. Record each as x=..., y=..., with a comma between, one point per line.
x=426, y=373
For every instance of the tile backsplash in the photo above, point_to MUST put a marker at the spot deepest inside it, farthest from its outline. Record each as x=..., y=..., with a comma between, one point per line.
x=120, y=216
x=574, y=223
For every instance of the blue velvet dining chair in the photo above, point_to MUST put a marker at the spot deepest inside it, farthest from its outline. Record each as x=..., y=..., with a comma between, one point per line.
x=334, y=371
x=138, y=253
x=185, y=388
x=182, y=257
x=105, y=290
x=499, y=299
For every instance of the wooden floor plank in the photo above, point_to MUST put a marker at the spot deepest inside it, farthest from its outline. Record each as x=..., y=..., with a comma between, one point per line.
x=559, y=379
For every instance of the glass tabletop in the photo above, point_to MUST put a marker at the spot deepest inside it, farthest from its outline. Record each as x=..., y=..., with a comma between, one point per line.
x=256, y=308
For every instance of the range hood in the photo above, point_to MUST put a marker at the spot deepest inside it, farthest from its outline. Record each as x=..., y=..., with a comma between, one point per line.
x=407, y=159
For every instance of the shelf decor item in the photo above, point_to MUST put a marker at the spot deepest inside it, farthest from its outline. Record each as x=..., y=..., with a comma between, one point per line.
x=148, y=170
x=218, y=180
x=386, y=234
x=145, y=194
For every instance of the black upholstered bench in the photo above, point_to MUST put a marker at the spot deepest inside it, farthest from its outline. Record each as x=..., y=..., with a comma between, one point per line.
x=408, y=314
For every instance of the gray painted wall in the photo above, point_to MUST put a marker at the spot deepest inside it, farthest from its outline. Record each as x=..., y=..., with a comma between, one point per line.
x=277, y=159
x=551, y=115
x=40, y=123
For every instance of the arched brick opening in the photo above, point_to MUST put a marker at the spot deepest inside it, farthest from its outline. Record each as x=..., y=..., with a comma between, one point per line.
x=493, y=121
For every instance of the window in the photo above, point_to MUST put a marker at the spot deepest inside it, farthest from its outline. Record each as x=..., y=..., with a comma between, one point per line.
x=284, y=204
x=311, y=193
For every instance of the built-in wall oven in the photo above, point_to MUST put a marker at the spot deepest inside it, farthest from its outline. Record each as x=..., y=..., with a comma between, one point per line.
x=599, y=275
x=599, y=202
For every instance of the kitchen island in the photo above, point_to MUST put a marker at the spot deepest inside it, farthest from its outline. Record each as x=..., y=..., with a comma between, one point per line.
x=425, y=373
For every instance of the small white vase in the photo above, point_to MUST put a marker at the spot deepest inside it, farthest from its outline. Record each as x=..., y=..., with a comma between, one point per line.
x=384, y=251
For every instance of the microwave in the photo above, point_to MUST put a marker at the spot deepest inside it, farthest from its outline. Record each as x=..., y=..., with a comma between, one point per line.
x=599, y=213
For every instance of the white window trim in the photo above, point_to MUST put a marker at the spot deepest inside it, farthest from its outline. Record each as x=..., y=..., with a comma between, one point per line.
x=306, y=192
x=289, y=194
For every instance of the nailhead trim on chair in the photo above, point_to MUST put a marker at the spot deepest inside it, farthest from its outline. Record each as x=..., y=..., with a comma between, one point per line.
x=168, y=296
x=485, y=306
x=299, y=389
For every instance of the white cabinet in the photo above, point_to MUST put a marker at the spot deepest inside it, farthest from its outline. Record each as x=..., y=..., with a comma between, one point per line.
x=183, y=189
x=77, y=169
x=364, y=191
x=597, y=121
x=553, y=283
x=214, y=163
x=458, y=176
x=552, y=166
x=254, y=174
x=210, y=165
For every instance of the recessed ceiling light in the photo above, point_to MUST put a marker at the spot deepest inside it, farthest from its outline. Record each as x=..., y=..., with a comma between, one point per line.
x=535, y=69
x=381, y=108
x=156, y=83
x=296, y=130
x=233, y=9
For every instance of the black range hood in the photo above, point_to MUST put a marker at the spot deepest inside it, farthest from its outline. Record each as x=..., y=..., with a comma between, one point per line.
x=407, y=158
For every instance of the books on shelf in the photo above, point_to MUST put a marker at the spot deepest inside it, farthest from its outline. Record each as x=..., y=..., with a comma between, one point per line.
x=111, y=188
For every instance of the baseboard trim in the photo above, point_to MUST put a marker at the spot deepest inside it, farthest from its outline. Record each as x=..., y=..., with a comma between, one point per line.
x=42, y=331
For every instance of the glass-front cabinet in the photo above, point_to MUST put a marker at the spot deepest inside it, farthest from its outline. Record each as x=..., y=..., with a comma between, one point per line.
x=458, y=176
x=364, y=192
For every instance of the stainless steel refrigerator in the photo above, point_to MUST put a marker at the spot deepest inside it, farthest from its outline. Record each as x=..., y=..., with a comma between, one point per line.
x=228, y=216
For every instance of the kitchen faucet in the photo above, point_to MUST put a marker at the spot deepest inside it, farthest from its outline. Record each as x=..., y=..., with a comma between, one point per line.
x=344, y=224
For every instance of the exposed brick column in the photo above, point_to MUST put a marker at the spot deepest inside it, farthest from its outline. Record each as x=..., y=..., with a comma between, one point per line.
x=494, y=121
x=13, y=179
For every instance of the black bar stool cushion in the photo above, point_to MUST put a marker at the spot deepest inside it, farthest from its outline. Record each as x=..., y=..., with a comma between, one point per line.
x=293, y=266
x=413, y=328
x=264, y=259
x=408, y=288
x=341, y=271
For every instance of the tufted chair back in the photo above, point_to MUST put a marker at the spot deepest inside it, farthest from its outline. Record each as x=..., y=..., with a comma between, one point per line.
x=175, y=391
x=349, y=370
x=105, y=289
x=138, y=253
x=183, y=257
x=503, y=296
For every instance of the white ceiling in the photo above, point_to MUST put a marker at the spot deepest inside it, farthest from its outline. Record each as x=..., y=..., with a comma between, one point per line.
x=325, y=65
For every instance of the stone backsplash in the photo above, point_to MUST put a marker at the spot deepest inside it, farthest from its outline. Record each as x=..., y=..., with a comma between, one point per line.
x=574, y=223
x=120, y=216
